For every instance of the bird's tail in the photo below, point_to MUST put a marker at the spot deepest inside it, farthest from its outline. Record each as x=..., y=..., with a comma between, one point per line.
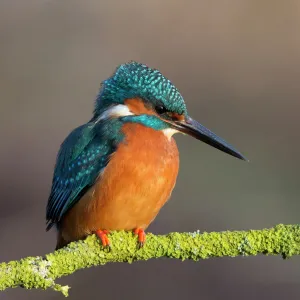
x=61, y=242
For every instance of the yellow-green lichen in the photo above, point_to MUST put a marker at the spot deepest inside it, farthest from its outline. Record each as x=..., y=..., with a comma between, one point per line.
x=38, y=272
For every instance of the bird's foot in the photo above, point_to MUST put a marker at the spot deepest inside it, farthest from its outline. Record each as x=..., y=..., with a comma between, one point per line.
x=141, y=236
x=102, y=235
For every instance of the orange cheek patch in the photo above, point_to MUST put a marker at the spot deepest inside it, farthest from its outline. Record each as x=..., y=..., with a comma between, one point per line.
x=137, y=107
x=177, y=117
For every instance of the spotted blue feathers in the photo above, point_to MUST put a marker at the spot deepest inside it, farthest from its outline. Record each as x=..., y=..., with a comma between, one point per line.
x=134, y=79
x=82, y=157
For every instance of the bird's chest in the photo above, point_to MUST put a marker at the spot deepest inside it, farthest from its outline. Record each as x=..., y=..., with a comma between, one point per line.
x=138, y=179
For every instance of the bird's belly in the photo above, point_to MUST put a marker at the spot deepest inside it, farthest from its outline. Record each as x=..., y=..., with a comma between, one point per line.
x=136, y=198
x=133, y=187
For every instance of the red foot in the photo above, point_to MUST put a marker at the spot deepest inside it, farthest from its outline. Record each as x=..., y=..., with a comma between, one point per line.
x=102, y=235
x=141, y=236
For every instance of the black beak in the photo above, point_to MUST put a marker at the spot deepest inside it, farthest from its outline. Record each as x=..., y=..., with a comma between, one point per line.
x=198, y=131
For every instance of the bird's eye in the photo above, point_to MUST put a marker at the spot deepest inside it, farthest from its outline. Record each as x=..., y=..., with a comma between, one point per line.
x=160, y=109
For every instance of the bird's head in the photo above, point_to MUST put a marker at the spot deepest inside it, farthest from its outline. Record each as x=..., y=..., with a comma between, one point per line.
x=137, y=93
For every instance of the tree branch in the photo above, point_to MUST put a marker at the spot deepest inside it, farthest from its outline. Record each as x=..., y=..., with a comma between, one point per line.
x=39, y=272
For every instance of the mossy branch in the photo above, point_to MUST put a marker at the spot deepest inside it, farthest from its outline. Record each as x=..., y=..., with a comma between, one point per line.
x=40, y=272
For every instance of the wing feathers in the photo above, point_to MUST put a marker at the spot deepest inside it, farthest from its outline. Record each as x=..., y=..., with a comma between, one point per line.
x=80, y=160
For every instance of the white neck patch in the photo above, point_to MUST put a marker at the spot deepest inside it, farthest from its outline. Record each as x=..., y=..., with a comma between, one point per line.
x=119, y=110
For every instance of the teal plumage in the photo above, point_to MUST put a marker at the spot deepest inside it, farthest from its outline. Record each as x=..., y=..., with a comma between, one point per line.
x=86, y=151
x=134, y=94
x=133, y=80
x=83, y=155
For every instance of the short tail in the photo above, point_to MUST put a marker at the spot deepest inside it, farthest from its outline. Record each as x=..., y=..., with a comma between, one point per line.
x=61, y=242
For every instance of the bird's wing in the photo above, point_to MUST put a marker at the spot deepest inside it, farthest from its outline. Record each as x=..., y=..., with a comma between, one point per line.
x=80, y=160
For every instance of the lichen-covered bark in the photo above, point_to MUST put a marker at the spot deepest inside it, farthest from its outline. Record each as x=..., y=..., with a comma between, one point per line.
x=40, y=272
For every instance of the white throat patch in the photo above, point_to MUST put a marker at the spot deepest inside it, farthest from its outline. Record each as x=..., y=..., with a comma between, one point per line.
x=169, y=132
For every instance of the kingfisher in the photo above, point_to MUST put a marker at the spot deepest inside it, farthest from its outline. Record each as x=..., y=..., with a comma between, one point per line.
x=116, y=171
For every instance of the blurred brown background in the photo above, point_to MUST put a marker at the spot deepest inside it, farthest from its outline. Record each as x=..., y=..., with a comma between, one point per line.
x=237, y=63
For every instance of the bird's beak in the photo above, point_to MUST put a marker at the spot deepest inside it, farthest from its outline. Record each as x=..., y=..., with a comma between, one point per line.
x=198, y=131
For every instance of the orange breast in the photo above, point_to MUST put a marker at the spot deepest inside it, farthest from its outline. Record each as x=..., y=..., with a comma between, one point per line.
x=132, y=189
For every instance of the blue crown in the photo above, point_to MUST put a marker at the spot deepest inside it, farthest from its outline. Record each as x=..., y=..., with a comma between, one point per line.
x=132, y=80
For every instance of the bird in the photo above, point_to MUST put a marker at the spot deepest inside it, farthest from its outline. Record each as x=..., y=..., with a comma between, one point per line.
x=116, y=171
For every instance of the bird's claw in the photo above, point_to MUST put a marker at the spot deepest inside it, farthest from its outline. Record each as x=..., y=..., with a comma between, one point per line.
x=102, y=235
x=141, y=237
